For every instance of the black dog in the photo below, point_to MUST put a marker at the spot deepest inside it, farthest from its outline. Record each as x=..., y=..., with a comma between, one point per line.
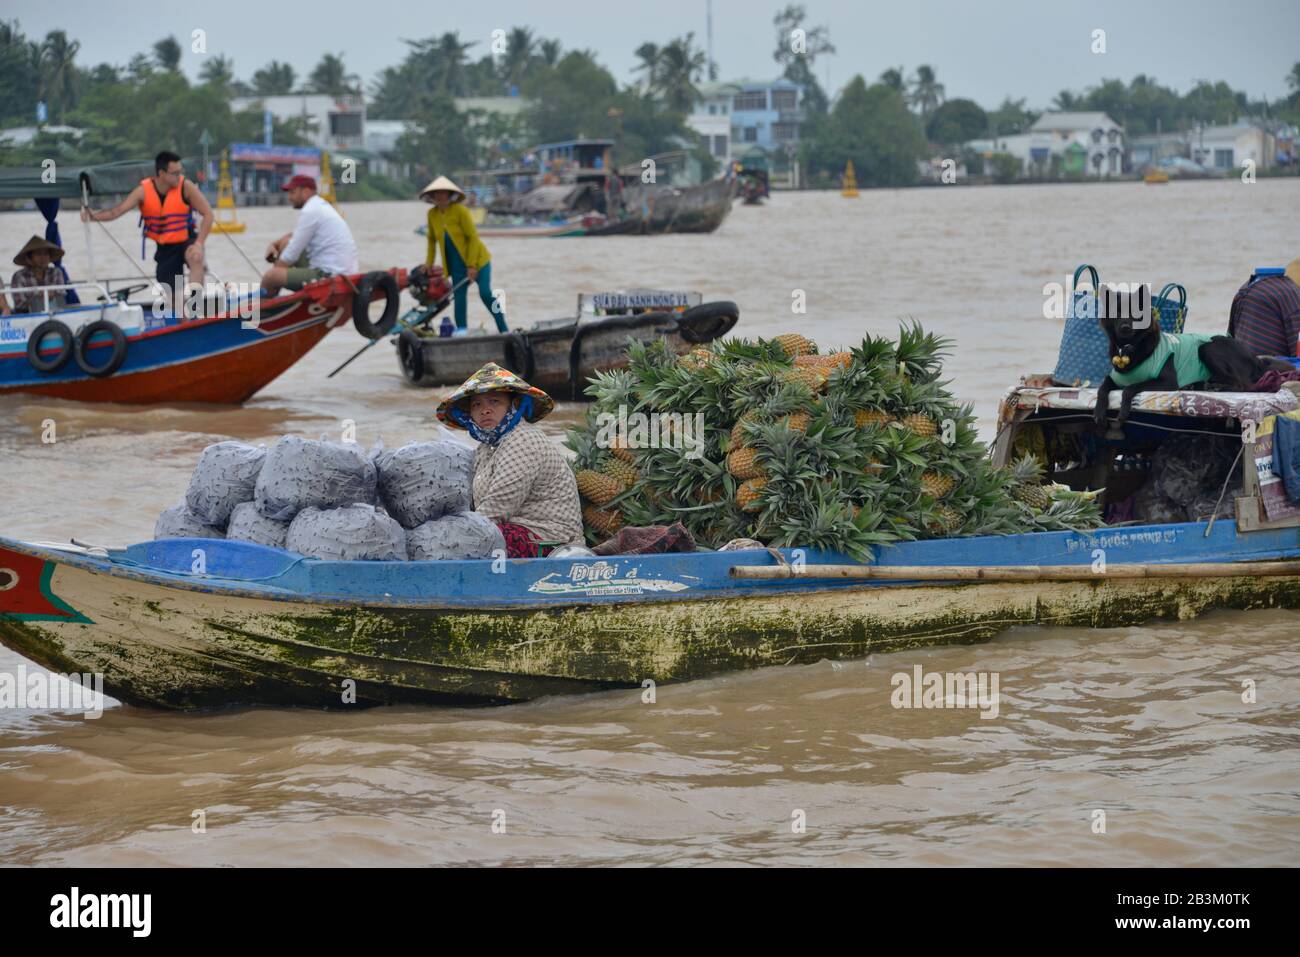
x=1192, y=359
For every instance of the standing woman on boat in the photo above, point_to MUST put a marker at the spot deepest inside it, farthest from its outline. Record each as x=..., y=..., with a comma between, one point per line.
x=451, y=229
x=522, y=481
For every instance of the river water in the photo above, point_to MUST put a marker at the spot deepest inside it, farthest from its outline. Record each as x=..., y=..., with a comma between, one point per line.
x=805, y=765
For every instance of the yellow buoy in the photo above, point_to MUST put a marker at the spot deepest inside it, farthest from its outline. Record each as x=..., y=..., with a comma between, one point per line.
x=227, y=220
x=326, y=191
x=850, y=182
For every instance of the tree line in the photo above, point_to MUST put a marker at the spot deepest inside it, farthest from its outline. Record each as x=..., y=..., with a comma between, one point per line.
x=884, y=126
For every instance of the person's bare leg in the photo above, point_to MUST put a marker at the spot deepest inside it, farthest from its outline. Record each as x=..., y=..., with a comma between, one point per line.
x=273, y=279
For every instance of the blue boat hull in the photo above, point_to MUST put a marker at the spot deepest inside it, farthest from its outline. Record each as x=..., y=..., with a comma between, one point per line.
x=194, y=623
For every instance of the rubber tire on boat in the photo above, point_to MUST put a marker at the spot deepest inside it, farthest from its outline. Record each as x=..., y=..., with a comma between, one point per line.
x=82, y=342
x=518, y=357
x=369, y=284
x=41, y=332
x=708, y=321
x=410, y=355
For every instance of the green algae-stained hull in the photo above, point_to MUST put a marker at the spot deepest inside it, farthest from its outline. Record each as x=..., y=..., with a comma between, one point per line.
x=170, y=647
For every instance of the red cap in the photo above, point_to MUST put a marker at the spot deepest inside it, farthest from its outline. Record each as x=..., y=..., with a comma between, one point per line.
x=300, y=180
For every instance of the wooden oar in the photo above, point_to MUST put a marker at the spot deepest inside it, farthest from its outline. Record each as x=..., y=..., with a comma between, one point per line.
x=400, y=327
x=1017, y=573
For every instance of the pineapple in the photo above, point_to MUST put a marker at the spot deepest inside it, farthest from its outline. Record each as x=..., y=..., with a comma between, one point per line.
x=624, y=473
x=602, y=522
x=750, y=493
x=837, y=360
x=620, y=450
x=866, y=418
x=946, y=520
x=874, y=466
x=1026, y=487
x=598, y=487
x=919, y=409
x=743, y=463
x=937, y=485
x=795, y=344
x=738, y=430
x=799, y=421
x=814, y=377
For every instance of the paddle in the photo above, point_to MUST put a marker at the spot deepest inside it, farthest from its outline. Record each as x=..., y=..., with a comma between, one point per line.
x=401, y=327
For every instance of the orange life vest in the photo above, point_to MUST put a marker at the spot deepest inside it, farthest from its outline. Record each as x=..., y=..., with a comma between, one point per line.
x=164, y=219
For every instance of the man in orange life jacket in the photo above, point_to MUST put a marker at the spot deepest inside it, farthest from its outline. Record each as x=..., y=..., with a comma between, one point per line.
x=167, y=202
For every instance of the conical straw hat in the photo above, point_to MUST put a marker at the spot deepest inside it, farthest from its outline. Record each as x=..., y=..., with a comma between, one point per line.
x=443, y=182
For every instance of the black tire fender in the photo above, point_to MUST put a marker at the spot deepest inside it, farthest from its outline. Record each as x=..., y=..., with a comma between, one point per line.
x=46, y=329
x=708, y=321
x=410, y=356
x=371, y=283
x=81, y=345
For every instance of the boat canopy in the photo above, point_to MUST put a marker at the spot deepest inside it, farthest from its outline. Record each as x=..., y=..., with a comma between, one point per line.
x=64, y=182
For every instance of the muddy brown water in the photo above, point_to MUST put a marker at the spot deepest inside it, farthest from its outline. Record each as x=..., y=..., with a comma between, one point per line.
x=798, y=765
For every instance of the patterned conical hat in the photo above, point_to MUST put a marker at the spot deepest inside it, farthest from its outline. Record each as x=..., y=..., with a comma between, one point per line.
x=493, y=378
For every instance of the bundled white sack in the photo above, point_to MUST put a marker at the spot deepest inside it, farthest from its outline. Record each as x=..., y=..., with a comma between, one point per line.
x=351, y=533
x=422, y=481
x=247, y=524
x=225, y=476
x=302, y=473
x=179, y=522
x=463, y=535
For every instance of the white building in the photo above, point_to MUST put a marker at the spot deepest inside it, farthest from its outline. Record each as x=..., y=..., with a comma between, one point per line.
x=334, y=122
x=1228, y=147
x=1100, y=136
x=712, y=118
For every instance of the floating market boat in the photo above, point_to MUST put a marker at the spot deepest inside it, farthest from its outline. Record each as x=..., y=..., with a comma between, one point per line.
x=560, y=355
x=115, y=349
x=260, y=626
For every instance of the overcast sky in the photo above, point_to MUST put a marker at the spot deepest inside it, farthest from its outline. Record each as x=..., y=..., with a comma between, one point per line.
x=981, y=49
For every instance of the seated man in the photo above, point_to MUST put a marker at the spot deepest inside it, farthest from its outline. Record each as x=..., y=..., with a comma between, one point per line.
x=1265, y=313
x=37, y=260
x=320, y=245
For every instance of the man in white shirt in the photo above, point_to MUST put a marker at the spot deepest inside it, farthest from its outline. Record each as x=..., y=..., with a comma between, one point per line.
x=321, y=236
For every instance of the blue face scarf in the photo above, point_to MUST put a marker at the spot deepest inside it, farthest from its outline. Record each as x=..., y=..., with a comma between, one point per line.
x=495, y=435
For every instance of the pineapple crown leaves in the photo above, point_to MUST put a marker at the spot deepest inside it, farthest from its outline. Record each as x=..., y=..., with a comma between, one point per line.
x=1026, y=470
x=919, y=355
x=874, y=355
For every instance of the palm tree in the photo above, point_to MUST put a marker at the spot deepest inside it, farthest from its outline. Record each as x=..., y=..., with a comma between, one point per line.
x=58, y=73
x=1293, y=78
x=218, y=71
x=549, y=51
x=274, y=79
x=1065, y=100
x=438, y=63
x=681, y=64
x=167, y=54
x=332, y=77
x=648, y=54
x=893, y=78
x=520, y=46
x=927, y=93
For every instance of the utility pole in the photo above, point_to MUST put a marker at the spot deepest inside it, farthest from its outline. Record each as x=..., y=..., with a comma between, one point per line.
x=713, y=73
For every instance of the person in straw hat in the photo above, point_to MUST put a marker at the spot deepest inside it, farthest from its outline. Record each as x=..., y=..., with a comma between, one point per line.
x=1265, y=313
x=451, y=229
x=37, y=260
x=522, y=480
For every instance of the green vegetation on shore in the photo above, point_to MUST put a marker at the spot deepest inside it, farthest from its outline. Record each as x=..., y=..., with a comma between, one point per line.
x=132, y=111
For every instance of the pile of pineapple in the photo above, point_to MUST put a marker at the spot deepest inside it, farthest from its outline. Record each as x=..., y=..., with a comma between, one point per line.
x=840, y=451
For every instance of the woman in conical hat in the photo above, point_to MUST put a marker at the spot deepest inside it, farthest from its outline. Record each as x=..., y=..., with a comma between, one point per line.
x=522, y=480
x=451, y=229
x=37, y=261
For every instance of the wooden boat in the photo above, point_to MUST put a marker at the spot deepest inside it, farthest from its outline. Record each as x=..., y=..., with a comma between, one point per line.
x=1156, y=177
x=225, y=358
x=260, y=626
x=114, y=349
x=560, y=355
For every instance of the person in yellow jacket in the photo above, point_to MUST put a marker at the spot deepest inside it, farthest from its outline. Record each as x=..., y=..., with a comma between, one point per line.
x=451, y=229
